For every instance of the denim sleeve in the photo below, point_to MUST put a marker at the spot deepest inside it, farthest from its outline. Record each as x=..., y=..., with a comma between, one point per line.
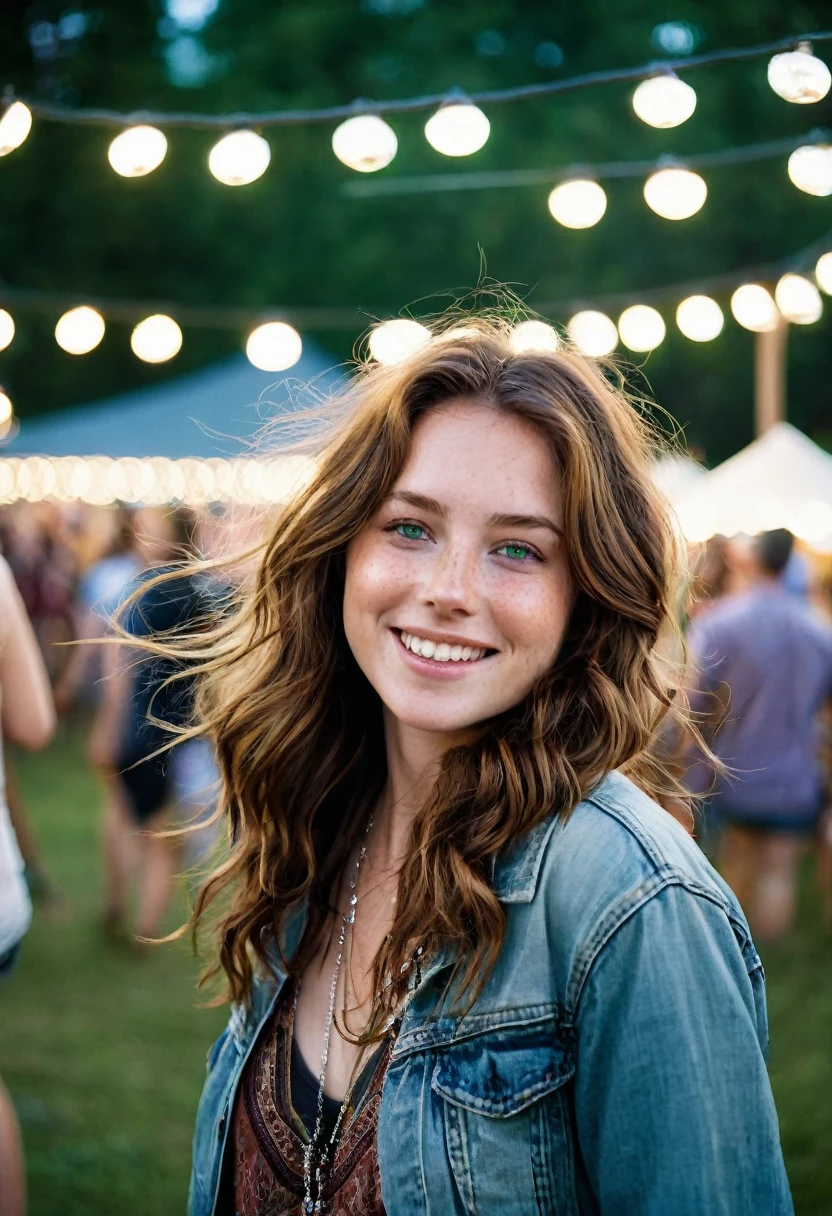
x=673, y=1106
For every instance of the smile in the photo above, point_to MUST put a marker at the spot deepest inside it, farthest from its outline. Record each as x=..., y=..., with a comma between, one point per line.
x=441, y=652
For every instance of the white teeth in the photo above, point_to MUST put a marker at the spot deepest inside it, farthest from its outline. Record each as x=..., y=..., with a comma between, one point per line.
x=441, y=652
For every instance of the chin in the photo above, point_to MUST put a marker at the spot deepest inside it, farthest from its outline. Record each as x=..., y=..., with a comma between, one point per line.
x=433, y=719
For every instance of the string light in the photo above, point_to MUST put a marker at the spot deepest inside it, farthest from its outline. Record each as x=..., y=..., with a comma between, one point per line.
x=394, y=341
x=156, y=339
x=365, y=143
x=6, y=407
x=641, y=328
x=823, y=273
x=534, y=335
x=80, y=330
x=798, y=299
x=6, y=328
x=675, y=194
x=700, y=318
x=810, y=169
x=274, y=346
x=15, y=125
x=664, y=101
x=799, y=76
x=754, y=308
x=579, y=203
x=239, y=158
x=137, y=151
x=457, y=129
x=593, y=333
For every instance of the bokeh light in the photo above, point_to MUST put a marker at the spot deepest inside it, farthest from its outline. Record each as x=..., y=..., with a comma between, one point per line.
x=754, y=308
x=534, y=335
x=239, y=158
x=799, y=76
x=578, y=204
x=675, y=194
x=664, y=101
x=593, y=333
x=365, y=143
x=700, y=318
x=393, y=341
x=80, y=330
x=274, y=346
x=641, y=327
x=798, y=299
x=6, y=328
x=15, y=125
x=458, y=129
x=156, y=339
x=137, y=151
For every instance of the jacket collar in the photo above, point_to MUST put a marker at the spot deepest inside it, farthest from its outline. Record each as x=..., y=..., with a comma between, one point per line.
x=516, y=869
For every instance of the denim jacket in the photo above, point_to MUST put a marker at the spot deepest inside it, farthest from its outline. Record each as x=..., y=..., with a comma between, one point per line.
x=614, y=1062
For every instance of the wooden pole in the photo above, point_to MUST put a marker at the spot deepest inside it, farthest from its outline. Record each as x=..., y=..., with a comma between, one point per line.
x=770, y=376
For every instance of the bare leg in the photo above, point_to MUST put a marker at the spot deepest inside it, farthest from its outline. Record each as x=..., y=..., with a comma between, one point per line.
x=12, y=1171
x=158, y=858
x=119, y=851
x=776, y=896
x=738, y=861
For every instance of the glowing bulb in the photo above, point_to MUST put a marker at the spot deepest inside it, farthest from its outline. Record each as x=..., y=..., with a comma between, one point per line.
x=593, y=333
x=810, y=168
x=823, y=273
x=274, y=346
x=457, y=129
x=700, y=318
x=578, y=204
x=641, y=327
x=664, y=101
x=239, y=158
x=675, y=194
x=6, y=328
x=80, y=330
x=533, y=335
x=754, y=308
x=798, y=299
x=6, y=407
x=365, y=143
x=394, y=341
x=799, y=76
x=137, y=151
x=15, y=125
x=156, y=339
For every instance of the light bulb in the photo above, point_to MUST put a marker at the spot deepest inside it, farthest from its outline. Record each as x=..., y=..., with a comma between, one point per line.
x=798, y=299
x=754, y=308
x=675, y=194
x=593, y=333
x=6, y=407
x=810, y=169
x=80, y=330
x=274, y=346
x=457, y=129
x=700, y=318
x=664, y=101
x=6, y=328
x=533, y=335
x=156, y=339
x=239, y=158
x=394, y=341
x=15, y=125
x=578, y=204
x=137, y=151
x=799, y=76
x=641, y=327
x=365, y=143
x=823, y=273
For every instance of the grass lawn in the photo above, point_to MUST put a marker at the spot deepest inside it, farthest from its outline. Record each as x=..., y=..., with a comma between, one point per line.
x=104, y=1054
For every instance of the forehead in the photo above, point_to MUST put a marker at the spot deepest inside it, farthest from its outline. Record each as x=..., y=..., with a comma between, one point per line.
x=467, y=450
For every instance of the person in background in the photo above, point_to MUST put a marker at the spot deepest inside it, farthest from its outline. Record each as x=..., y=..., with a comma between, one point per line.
x=764, y=661
x=135, y=713
x=28, y=719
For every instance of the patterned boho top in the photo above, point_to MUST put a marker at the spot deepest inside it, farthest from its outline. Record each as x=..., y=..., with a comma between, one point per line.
x=268, y=1136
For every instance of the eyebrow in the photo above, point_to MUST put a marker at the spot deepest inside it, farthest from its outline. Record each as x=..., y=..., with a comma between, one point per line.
x=423, y=503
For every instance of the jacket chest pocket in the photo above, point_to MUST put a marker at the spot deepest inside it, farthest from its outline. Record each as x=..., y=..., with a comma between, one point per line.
x=506, y=1116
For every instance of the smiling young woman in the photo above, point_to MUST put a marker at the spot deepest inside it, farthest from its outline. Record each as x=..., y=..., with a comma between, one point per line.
x=475, y=968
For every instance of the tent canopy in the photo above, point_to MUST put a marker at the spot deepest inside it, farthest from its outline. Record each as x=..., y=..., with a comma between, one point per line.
x=781, y=480
x=211, y=412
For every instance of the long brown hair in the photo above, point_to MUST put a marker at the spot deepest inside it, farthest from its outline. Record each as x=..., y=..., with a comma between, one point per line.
x=298, y=729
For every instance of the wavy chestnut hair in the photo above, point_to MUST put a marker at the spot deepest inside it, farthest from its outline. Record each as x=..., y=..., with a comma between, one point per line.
x=298, y=729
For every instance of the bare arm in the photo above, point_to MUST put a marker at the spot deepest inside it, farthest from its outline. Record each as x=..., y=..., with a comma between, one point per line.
x=28, y=711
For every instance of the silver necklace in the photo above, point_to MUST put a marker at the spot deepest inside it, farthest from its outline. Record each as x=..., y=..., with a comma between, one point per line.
x=315, y=1153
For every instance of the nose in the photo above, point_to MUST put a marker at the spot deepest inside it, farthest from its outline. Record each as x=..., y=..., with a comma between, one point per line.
x=452, y=586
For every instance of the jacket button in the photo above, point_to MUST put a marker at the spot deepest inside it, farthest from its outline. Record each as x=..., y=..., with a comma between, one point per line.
x=221, y=1128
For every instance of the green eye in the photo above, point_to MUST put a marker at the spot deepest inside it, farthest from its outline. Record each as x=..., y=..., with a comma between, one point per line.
x=410, y=531
x=516, y=551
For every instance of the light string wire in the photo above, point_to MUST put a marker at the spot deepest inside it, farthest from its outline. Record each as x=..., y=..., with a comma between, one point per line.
x=53, y=112
x=437, y=183
x=219, y=317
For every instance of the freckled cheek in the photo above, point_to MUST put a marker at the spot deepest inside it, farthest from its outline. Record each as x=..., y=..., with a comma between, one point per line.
x=376, y=580
x=533, y=619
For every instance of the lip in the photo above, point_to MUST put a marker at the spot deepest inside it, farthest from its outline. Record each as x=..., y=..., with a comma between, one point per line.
x=429, y=667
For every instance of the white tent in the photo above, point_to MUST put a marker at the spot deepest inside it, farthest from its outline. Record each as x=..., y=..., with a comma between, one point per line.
x=781, y=480
x=674, y=474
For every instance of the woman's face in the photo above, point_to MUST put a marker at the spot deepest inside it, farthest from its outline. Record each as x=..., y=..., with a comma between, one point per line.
x=458, y=593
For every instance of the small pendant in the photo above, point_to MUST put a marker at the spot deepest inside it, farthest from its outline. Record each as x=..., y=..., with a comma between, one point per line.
x=311, y=1206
